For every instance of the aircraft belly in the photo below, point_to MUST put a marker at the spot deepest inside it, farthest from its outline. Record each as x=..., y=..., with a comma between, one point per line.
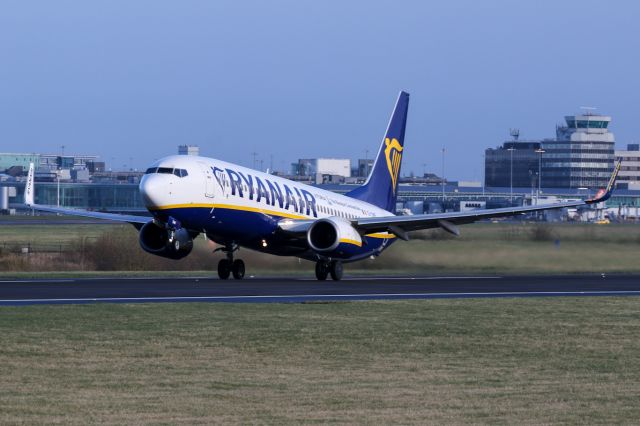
x=253, y=230
x=227, y=223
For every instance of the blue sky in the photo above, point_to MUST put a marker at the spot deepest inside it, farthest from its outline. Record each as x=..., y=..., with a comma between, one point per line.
x=130, y=80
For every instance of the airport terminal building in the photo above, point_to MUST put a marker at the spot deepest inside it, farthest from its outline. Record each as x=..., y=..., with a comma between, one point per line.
x=572, y=166
x=515, y=163
x=581, y=156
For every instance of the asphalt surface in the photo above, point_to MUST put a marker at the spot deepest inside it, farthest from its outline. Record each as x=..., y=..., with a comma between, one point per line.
x=133, y=290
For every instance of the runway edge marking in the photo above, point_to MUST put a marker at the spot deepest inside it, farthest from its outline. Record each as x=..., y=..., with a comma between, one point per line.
x=317, y=297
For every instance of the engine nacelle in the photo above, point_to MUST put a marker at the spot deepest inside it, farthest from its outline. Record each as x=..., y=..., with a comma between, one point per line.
x=164, y=242
x=328, y=234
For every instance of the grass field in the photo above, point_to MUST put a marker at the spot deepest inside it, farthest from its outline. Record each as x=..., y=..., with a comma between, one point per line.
x=490, y=248
x=498, y=361
x=52, y=235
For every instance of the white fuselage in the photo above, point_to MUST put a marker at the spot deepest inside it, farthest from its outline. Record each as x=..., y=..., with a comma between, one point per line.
x=218, y=184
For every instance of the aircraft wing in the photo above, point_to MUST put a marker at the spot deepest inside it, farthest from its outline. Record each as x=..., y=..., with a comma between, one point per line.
x=29, y=201
x=401, y=225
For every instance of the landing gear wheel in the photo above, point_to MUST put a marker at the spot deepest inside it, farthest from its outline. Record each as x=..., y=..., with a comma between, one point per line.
x=321, y=271
x=335, y=268
x=238, y=269
x=224, y=269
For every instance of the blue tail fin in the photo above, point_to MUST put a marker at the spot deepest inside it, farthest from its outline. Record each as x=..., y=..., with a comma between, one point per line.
x=381, y=186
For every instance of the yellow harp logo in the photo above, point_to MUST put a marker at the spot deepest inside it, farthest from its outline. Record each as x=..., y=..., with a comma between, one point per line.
x=393, y=154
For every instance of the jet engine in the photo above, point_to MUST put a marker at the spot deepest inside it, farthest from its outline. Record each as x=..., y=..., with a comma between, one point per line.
x=325, y=235
x=172, y=244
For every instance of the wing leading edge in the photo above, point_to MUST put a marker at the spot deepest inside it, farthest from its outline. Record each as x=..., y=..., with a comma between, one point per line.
x=29, y=201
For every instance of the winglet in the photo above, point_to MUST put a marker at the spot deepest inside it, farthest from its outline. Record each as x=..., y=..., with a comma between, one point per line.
x=604, y=193
x=29, y=188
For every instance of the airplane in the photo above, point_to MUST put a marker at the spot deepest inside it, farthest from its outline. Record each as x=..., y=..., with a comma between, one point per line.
x=235, y=207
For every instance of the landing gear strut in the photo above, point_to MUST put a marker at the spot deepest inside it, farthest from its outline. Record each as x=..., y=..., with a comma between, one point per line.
x=323, y=269
x=228, y=266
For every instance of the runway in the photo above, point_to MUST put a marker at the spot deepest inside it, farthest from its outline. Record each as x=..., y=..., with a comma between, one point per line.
x=289, y=290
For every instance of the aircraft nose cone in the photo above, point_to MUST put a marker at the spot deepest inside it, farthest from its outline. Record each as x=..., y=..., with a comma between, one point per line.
x=151, y=190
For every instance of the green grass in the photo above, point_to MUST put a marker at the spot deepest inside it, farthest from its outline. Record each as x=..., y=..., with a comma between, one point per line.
x=486, y=248
x=52, y=235
x=498, y=361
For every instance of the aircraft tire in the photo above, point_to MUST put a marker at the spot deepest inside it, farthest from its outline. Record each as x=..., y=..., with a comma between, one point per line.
x=322, y=271
x=238, y=269
x=224, y=269
x=336, y=270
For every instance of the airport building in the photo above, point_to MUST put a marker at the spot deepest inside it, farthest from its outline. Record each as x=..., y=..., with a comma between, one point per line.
x=629, y=175
x=414, y=198
x=581, y=156
x=17, y=163
x=322, y=166
x=66, y=162
x=189, y=150
x=118, y=191
x=363, y=168
x=515, y=163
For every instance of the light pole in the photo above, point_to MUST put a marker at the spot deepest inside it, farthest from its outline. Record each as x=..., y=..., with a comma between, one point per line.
x=442, y=178
x=511, y=176
x=58, y=186
x=484, y=173
x=540, y=151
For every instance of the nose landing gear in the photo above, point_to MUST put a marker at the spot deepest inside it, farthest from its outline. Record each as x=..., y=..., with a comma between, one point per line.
x=333, y=268
x=229, y=266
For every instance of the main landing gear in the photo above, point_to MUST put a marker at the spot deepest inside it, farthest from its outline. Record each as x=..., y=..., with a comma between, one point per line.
x=333, y=268
x=228, y=266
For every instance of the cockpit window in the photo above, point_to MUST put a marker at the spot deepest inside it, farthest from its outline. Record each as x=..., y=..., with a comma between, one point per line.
x=168, y=171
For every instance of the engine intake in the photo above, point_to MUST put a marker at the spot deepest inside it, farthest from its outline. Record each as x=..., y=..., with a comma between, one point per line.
x=164, y=242
x=325, y=235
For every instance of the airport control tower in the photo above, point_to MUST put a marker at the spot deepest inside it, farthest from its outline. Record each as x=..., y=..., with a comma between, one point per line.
x=582, y=155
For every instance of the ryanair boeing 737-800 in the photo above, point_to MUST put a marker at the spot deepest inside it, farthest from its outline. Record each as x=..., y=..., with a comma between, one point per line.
x=238, y=207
